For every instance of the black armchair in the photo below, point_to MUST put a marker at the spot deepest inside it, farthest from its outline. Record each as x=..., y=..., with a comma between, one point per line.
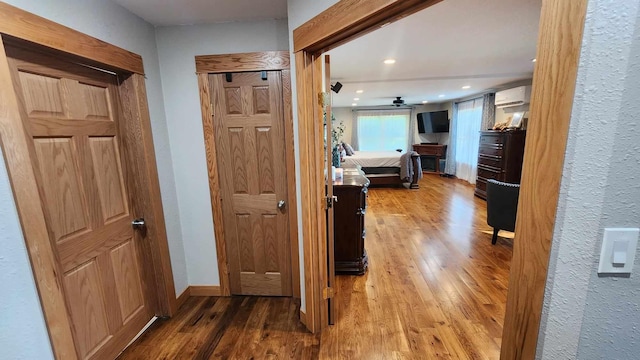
x=502, y=205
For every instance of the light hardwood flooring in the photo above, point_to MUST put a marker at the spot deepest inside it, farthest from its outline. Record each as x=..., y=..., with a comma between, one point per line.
x=436, y=289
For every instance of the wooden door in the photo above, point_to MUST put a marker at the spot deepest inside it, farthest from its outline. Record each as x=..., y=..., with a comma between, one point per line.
x=71, y=115
x=249, y=134
x=331, y=268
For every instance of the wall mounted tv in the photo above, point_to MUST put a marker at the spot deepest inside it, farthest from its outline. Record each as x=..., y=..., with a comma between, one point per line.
x=433, y=122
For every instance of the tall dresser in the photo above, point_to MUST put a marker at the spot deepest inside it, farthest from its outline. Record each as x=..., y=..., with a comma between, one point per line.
x=499, y=157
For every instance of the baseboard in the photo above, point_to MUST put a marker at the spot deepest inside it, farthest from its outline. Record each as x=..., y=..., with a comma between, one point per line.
x=182, y=298
x=205, y=290
x=303, y=318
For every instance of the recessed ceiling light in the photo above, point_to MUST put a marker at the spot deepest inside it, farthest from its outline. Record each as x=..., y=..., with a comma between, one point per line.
x=359, y=91
x=354, y=104
x=466, y=87
x=424, y=101
x=441, y=95
x=533, y=60
x=356, y=99
x=390, y=61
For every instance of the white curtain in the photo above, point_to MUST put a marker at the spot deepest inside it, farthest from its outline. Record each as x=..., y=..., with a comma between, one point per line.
x=467, y=133
x=382, y=130
x=414, y=137
x=450, y=164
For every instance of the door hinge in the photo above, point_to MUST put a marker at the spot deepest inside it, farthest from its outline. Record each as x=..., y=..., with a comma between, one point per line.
x=330, y=201
x=324, y=99
x=327, y=293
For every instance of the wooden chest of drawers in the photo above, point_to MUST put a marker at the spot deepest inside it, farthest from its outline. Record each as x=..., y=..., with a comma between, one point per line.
x=349, y=232
x=499, y=157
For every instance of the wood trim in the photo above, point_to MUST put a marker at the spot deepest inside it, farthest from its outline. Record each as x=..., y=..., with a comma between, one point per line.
x=291, y=182
x=559, y=43
x=13, y=140
x=183, y=297
x=303, y=318
x=205, y=290
x=24, y=25
x=255, y=61
x=214, y=182
x=147, y=199
x=350, y=19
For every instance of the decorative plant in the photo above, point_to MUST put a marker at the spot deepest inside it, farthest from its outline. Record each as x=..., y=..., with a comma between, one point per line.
x=337, y=130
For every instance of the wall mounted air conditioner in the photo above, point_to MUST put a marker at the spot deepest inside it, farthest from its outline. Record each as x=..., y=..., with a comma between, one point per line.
x=513, y=97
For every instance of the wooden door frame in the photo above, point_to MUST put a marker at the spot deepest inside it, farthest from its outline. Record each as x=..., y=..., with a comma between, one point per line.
x=42, y=34
x=254, y=61
x=559, y=44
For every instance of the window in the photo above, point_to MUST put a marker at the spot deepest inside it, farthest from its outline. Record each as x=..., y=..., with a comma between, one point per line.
x=382, y=130
x=468, y=124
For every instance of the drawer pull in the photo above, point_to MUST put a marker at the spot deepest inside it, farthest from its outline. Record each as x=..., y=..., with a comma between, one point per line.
x=361, y=211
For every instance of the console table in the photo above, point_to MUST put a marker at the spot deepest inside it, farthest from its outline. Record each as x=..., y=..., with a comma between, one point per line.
x=431, y=150
x=350, y=255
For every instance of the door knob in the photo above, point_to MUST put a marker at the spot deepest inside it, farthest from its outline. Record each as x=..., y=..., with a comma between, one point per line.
x=281, y=204
x=138, y=223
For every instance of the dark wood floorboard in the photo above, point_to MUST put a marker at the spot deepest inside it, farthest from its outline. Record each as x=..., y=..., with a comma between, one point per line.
x=436, y=289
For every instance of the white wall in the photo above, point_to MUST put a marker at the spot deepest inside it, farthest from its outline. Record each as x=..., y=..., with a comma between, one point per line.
x=586, y=316
x=344, y=115
x=22, y=331
x=177, y=48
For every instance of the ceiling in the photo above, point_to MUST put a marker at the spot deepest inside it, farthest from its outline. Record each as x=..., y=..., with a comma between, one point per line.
x=188, y=12
x=455, y=43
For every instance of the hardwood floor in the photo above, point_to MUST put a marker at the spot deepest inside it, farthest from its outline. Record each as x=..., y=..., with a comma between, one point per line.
x=436, y=289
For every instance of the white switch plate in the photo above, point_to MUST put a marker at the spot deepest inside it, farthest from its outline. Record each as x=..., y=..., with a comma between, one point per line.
x=628, y=236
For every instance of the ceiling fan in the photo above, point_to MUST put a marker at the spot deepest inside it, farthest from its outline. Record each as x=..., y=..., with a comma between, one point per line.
x=398, y=102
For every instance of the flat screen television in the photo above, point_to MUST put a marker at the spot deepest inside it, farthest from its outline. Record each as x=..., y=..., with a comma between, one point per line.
x=433, y=122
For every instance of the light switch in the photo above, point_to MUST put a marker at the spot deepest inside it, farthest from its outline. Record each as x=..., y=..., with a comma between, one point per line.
x=618, y=250
x=619, y=256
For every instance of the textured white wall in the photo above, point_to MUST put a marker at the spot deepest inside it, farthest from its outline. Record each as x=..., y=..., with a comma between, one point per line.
x=22, y=331
x=177, y=48
x=586, y=316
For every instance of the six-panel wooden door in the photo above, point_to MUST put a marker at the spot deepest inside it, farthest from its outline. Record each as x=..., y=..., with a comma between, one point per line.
x=71, y=112
x=249, y=135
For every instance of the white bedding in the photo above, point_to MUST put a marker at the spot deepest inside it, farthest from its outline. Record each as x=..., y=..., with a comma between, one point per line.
x=373, y=159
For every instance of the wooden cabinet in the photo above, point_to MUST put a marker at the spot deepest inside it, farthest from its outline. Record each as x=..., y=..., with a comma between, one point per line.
x=349, y=232
x=433, y=152
x=499, y=157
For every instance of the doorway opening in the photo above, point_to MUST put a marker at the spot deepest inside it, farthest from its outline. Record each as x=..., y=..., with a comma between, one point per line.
x=535, y=220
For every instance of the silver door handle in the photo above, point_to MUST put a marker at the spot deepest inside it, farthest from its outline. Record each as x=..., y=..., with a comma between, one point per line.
x=138, y=223
x=281, y=204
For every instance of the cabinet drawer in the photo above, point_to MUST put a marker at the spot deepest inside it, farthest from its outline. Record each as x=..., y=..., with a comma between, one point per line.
x=492, y=161
x=494, y=151
x=491, y=139
x=489, y=173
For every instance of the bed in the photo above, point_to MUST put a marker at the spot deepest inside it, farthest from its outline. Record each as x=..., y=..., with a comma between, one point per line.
x=385, y=167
